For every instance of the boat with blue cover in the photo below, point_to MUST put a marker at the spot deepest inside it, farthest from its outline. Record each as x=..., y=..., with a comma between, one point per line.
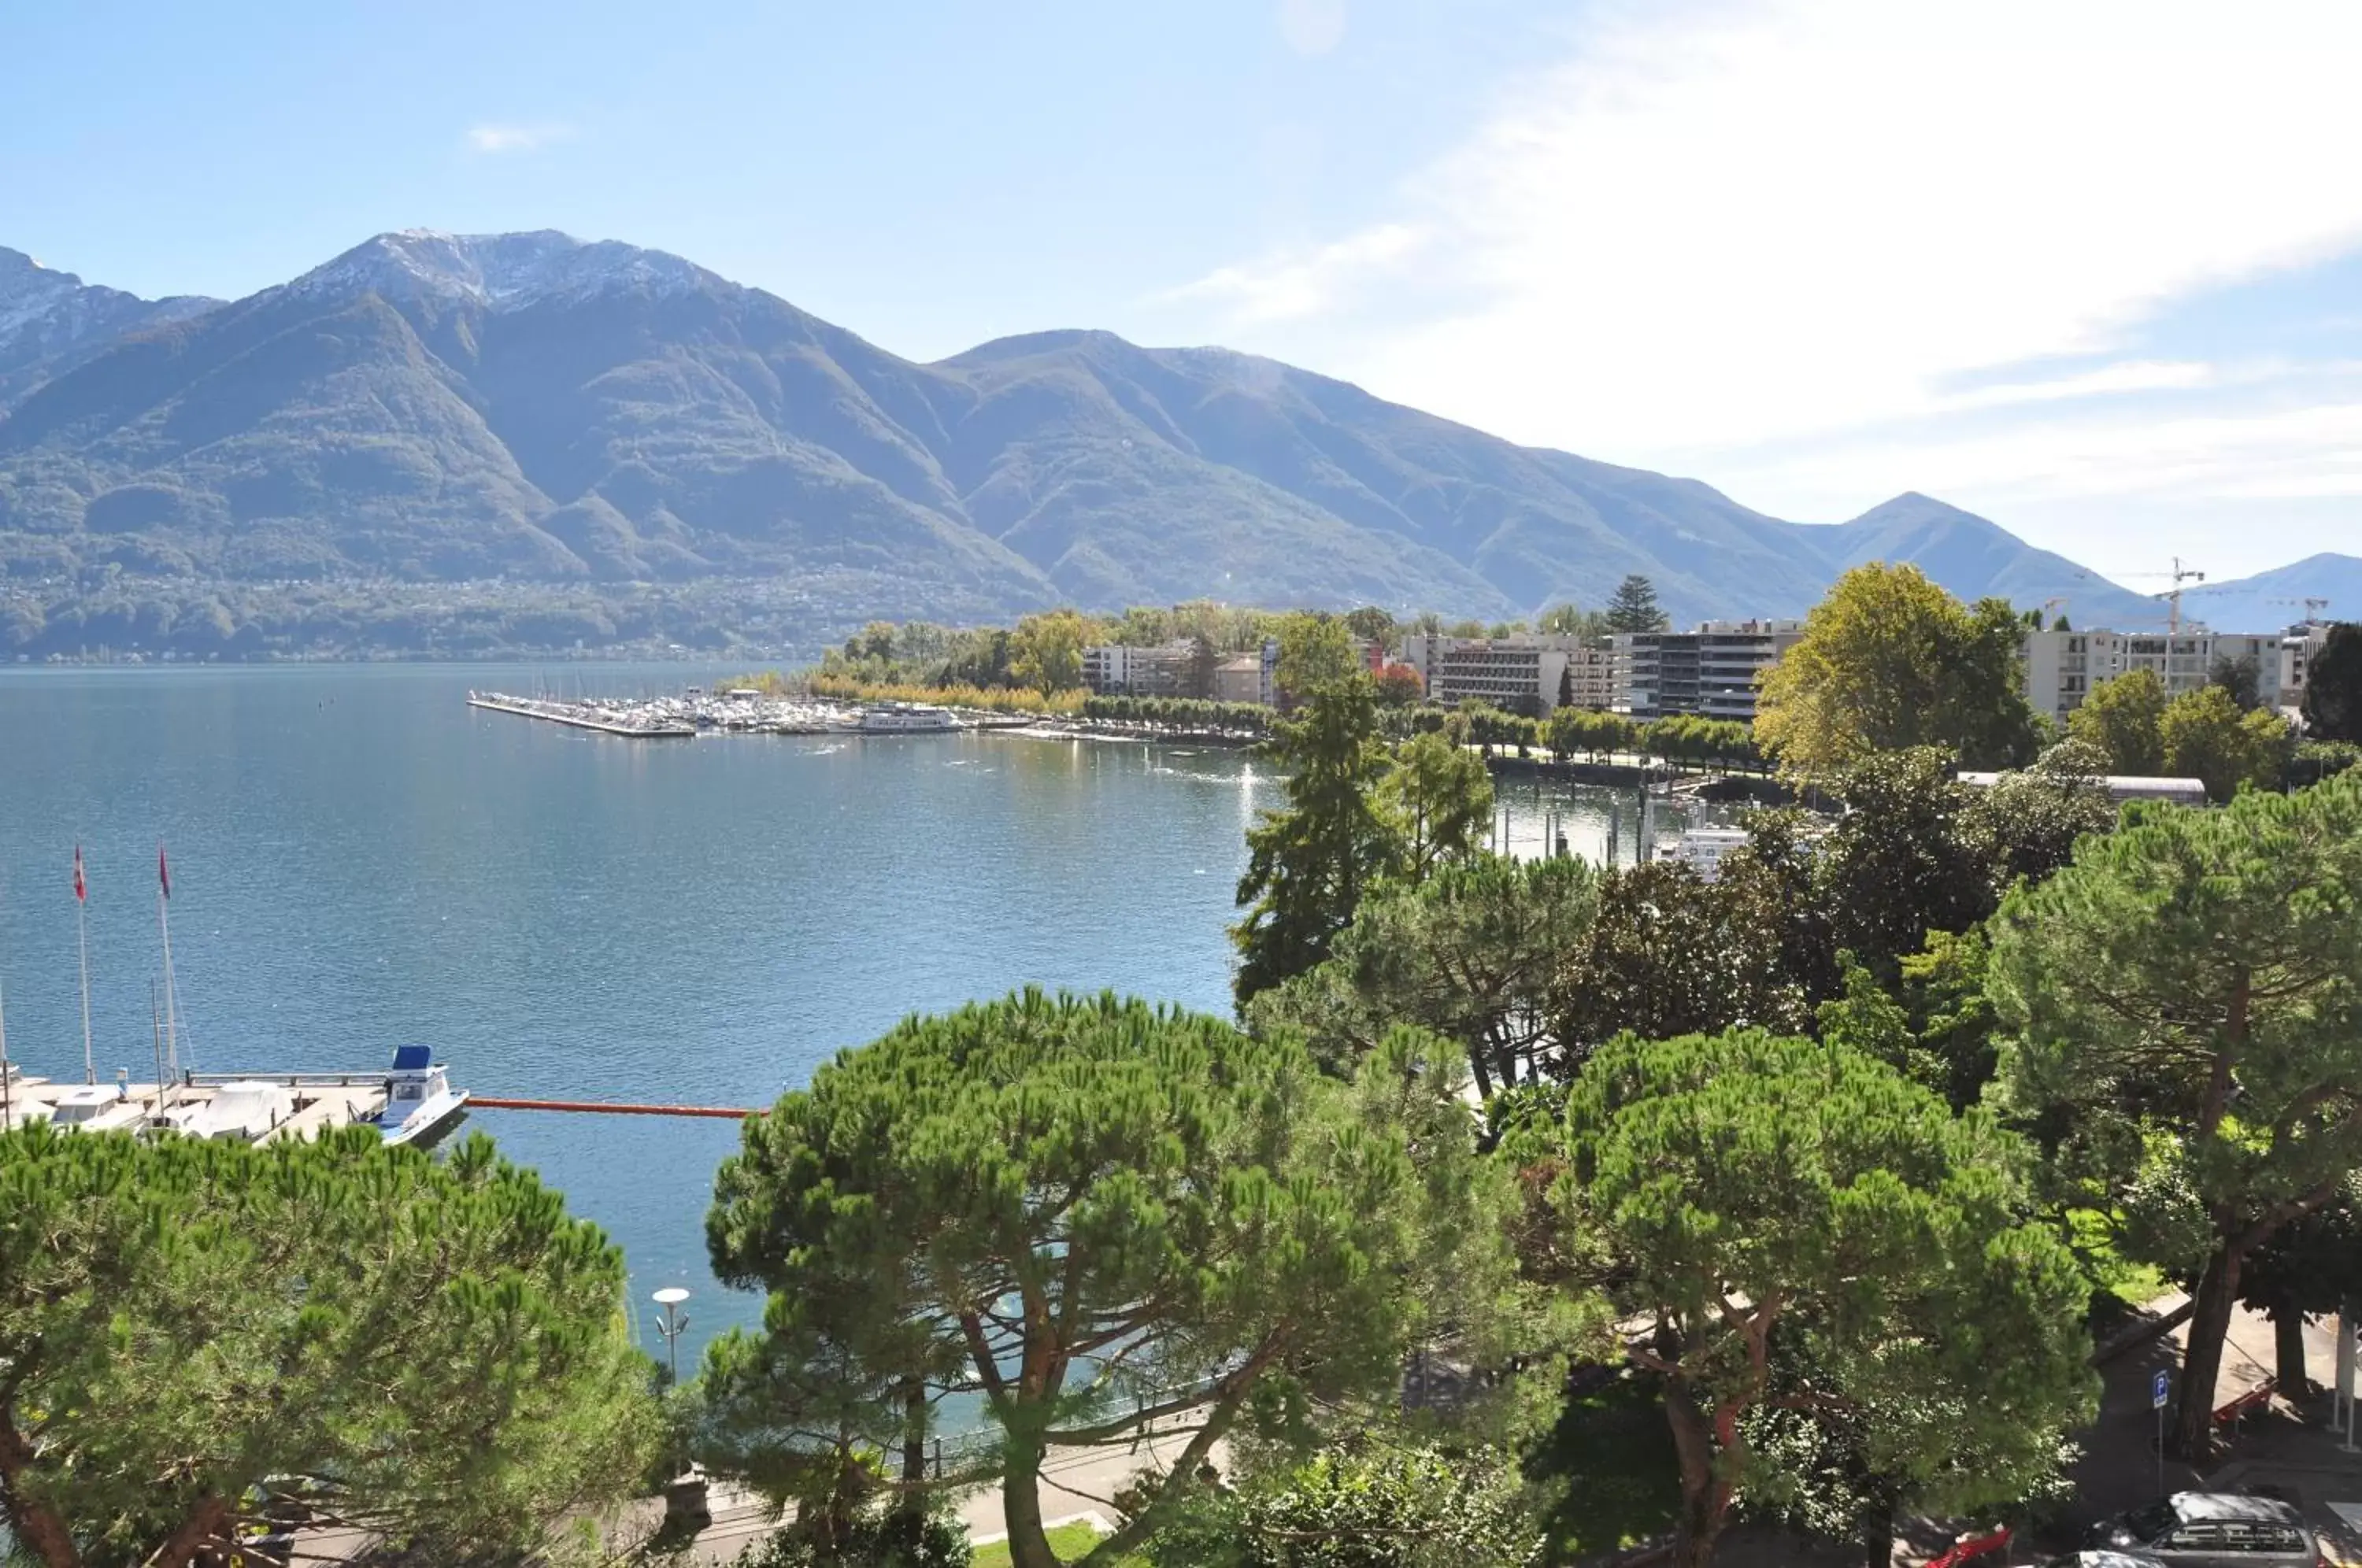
x=419, y=1103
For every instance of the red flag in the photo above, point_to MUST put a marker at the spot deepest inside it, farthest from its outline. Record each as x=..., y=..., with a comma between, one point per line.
x=163, y=876
x=82, y=890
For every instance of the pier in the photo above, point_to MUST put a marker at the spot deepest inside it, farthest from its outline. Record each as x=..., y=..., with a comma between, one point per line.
x=692, y=713
x=640, y=721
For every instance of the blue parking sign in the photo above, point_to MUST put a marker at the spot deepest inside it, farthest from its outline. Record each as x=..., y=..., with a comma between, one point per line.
x=2158, y=1384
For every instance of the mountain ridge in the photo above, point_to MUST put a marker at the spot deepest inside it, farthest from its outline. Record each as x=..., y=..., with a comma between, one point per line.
x=528, y=407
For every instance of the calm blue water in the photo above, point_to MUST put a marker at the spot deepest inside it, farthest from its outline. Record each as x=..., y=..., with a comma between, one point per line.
x=359, y=860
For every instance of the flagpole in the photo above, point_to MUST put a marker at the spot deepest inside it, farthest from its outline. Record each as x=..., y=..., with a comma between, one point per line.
x=82, y=935
x=8, y=1083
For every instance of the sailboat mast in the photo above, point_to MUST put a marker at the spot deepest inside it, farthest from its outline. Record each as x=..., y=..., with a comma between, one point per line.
x=164, y=923
x=81, y=938
x=156, y=1036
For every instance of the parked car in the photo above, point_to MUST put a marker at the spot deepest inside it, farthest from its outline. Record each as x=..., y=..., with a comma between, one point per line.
x=2105, y=1559
x=2213, y=1530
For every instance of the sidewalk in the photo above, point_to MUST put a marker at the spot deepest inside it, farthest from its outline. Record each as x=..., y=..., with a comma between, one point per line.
x=1075, y=1483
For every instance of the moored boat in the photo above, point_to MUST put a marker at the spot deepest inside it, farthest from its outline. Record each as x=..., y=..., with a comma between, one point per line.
x=419, y=1103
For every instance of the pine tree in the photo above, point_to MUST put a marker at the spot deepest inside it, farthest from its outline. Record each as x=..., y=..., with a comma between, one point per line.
x=1634, y=608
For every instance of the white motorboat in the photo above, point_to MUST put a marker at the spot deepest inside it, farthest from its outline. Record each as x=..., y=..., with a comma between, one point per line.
x=419, y=1103
x=98, y=1108
x=248, y=1110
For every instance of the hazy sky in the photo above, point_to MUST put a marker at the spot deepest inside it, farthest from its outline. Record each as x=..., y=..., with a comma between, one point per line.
x=2093, y=269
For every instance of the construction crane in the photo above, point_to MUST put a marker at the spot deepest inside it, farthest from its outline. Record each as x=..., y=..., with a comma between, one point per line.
x=2313, y=606
x=2172, y=596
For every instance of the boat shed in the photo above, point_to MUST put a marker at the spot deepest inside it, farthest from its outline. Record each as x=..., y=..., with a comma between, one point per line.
x=2123, y=786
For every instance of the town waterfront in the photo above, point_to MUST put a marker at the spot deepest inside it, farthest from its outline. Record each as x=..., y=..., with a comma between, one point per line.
x=359, y=860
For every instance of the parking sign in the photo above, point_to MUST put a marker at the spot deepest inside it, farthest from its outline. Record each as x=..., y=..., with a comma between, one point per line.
x=2158, y=1384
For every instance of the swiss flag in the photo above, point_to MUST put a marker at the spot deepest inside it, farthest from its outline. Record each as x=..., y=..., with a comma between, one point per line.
x=81, y=889
x=163, y=875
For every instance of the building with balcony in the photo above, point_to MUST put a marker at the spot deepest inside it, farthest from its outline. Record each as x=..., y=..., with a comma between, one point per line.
x=1115, y=670
x=1526, y=674
x=1711, y=672
x=2062, y=667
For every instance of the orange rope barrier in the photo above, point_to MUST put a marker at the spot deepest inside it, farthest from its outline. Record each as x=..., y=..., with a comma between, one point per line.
x=607, y=1108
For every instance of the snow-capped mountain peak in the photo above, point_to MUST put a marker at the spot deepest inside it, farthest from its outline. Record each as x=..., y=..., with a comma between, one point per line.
x=502, y=270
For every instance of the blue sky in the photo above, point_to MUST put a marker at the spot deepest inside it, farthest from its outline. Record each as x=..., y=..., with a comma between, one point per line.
x=2094, y=271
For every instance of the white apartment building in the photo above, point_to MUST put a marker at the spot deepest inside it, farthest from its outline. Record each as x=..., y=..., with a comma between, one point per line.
x=2062, y=667
x=1114, y=670
x=1711, y=672
x=1520, y=674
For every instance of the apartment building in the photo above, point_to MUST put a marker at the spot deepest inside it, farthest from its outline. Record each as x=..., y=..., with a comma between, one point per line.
x=1169, y=670
x=2062, y=667
x=1244, y=678
x=1710, y=672
x=1522, y=674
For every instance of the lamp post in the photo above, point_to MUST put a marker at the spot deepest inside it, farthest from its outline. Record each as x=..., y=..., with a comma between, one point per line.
x=671, y=1324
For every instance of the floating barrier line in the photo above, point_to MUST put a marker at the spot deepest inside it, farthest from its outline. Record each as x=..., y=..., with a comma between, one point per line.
x=607, y=1108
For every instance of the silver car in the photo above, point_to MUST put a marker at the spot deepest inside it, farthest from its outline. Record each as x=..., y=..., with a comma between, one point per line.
x=2214, y=1529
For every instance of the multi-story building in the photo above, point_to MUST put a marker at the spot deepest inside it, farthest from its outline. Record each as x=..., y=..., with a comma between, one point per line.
x=1591, y=678
x=2062, y=667
x=1711, y=672
x=1248, y=676
x=1114, y=670
x=1522, y=674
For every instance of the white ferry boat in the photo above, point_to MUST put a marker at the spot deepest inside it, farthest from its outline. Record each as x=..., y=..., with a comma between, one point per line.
x=904, y=719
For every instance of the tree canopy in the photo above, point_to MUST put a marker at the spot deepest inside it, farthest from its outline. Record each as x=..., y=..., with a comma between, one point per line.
x=1308, y=863
x=2332, y=686
x=1888, y=661
x=2205, y=735
x=1316, y=651
x=2119, y=717
x=1096, y=1213
x=1471, y=954
x=2196, y=975
x=1755, y=1188
x=194, y=1333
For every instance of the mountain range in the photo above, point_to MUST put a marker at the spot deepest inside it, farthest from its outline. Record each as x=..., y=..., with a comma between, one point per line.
x=603, y=424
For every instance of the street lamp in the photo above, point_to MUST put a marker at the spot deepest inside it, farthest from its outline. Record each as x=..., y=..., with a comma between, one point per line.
x=671, y=1324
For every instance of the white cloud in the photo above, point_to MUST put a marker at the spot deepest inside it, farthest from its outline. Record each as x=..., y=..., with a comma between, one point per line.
x=1294, y=284
x=1797, y=220
x=492, y=137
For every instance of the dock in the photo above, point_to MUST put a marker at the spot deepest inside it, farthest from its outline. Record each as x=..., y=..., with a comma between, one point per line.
x=640, y=720
x=694, y=713
x=316, y=1101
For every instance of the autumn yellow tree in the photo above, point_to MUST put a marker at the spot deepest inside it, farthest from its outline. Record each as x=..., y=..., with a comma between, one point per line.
x=1045, y=652
x=1889, y=660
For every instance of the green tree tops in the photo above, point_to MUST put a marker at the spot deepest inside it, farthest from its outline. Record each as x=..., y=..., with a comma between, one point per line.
x=427, y=1349
x=1439, y=799
x=1307, y=865
x=1045, y=652
x=1756, y=1185
x=2205, y=736
x=1633, y=607
x=2120, y=718
x=1471, y=954
x=1315, y=651
x=1889, y=660
x=1096, y=1213
x=2332, y=686
x=2196, y=974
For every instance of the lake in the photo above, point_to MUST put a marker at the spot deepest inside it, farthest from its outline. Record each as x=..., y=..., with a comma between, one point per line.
x=360, y=860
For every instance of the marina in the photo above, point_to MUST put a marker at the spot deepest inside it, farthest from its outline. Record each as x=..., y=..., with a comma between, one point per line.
x=413, y=1102
x=736, y=711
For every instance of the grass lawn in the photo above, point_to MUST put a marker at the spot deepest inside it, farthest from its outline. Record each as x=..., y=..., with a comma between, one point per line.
x=1068, y=1540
